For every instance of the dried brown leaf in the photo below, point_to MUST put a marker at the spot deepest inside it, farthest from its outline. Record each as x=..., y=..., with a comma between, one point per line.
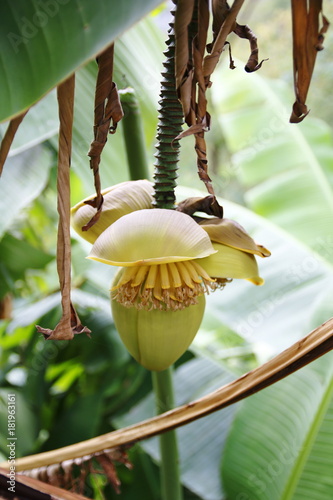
x=110, y=471
x=69, y=323
x=227, y=27
x=183, y=17
x=28, y=488
x=208, y=205
x=253, y=63
x=307, y=41
x=220, y=10
x=108, y=112
x=9, y=137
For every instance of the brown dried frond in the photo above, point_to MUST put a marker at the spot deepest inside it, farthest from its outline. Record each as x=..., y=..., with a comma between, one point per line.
x=307, y=41
x=72, y=474
x=107, y=109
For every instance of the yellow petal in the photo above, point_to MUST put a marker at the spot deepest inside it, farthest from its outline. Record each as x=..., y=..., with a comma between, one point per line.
x=119, y=200
x=151, y=236
x=229, y=232
x=231, y=263
x=156, y=339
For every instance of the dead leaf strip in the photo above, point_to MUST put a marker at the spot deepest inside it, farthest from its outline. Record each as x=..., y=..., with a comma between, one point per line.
x=197, y=204
x=69, y=323
x=27, y=488
x=244, y=31
x=191, y=27
x=307, y=41
x=9, y=137
x=107, y=108
x=227, y=27
x=183, y=17
x=71, y=474
x=303, y=352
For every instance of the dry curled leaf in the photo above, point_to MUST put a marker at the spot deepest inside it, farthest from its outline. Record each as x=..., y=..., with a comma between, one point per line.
x=253, y=63
x=206, y=205
x=69, y=323
x=72, y=474
x=108, y=112
x=307, y=41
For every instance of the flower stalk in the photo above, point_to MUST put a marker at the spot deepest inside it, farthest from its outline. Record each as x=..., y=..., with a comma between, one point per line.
x=170, y=479
x=169, y=127
x=165, y=175
x=132, y=128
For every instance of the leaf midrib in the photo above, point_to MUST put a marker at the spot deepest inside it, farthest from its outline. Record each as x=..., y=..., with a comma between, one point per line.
x=298, y=468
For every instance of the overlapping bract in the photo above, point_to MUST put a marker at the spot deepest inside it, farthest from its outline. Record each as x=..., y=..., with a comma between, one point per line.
x=168, y=262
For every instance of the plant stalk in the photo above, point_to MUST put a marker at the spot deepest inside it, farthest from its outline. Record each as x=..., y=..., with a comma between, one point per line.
x=169, y=127
x=165, y=175
x=170, y=478
x=132, y=127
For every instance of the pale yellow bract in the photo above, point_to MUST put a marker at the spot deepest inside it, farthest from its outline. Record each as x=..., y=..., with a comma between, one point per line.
x=168, y=262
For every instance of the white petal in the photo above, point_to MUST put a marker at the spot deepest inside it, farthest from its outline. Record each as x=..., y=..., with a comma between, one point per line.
x=151, y=236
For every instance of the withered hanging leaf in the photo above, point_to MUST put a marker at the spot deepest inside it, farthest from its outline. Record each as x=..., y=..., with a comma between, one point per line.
x=207, y=205
x=192, y=130
x=9, y=137
x=28, y=488
x=183, y=17
x=253, y=63
x=185, y=28
x=227, y=27
x=220, y=10
x=307, y=41
x=107, y=108
x=69, y=323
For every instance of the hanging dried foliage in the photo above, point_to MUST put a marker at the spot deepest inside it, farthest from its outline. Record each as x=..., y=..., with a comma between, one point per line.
x=28, y=488
x=70, y=323
x=107, y=108
x=195, y=61
x=307, y=42
x=72, y=474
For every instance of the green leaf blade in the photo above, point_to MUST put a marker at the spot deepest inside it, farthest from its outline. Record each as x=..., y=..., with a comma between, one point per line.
x=47, y=41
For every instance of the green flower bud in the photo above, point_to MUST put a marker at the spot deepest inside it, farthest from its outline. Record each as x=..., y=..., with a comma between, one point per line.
x=157, y=338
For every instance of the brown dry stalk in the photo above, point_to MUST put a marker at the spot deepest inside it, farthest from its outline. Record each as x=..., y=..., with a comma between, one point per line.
x=69, y=323
x=306, y=350
x=28, y=488
x=9, y=137
x=307, y=41
x=107, y=108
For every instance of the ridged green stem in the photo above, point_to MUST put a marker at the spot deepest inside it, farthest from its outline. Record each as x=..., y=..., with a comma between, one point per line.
x=170, y=478
x=169, y=126
x=165, y=175
x=132, y=127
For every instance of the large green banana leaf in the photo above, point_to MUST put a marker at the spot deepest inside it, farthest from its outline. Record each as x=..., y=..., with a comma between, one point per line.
x=44, y=42
x=286, y=169
x=281, y=442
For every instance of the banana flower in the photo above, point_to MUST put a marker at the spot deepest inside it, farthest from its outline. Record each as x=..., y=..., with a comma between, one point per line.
x=168, y=262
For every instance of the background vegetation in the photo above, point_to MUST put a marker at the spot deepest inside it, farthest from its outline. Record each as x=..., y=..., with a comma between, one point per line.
x=276, y=179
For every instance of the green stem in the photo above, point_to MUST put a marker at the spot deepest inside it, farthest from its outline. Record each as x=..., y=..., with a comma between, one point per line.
x=170, y=478
x=133, y=135
x=169, y=127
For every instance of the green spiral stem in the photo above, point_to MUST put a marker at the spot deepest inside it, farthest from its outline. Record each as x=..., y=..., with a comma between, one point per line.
x=169, y=126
